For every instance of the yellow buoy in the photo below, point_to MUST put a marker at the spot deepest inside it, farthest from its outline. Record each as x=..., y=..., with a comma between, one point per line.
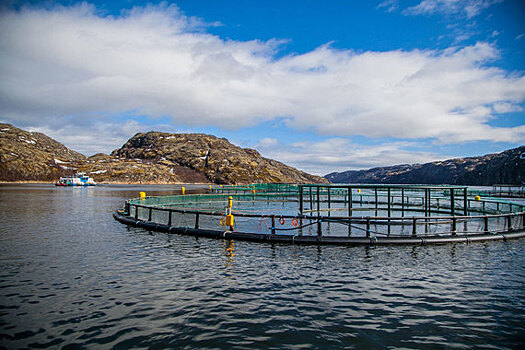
x=183, y=189
x=478, y=198
x=229, y=216
x=142, y=195
x=229, y=220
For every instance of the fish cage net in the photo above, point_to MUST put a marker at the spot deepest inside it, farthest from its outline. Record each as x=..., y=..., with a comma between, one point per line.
x=334, y=211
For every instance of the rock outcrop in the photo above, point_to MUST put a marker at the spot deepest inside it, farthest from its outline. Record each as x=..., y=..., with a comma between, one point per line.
x=507, y=167
x=32, y=156
x=216, y=158
x=152, y=157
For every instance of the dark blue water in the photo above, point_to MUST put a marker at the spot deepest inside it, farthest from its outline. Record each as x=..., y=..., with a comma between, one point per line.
x=72, y=277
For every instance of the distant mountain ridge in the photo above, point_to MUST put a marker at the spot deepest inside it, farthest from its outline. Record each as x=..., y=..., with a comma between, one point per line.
x=152, y=157
x=507, y=167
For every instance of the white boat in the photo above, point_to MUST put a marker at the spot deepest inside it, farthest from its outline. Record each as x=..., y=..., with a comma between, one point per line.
x=79, y=179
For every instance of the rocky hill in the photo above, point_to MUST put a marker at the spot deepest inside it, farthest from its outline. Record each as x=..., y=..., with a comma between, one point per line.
x=507, y=167
x=146, y=158
x=216, y=158
x=32, y=156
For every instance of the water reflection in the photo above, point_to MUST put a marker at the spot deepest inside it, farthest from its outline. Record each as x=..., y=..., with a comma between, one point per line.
x=229, y=265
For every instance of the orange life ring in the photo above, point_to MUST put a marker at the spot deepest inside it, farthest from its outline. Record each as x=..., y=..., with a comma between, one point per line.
x=282, y=221
x=295, y=222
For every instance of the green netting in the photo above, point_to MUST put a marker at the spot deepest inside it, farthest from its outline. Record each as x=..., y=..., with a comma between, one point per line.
x=335, y=210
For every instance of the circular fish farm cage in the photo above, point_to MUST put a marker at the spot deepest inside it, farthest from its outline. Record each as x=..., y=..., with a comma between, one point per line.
x=331, y=214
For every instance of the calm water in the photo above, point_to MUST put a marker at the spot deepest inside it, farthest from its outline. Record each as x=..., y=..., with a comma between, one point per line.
x=72, y=277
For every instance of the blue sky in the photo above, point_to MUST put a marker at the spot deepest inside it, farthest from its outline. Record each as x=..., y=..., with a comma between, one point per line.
x=321, y=85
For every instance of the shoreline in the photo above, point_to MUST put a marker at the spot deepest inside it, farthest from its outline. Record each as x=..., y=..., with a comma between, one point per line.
x=108, y=183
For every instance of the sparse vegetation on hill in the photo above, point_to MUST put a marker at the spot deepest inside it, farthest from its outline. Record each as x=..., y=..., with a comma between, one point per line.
x=152, y=157
x=507, y=167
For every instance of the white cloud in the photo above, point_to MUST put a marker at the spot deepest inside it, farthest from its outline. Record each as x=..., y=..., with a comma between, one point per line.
x=504, y=107
x=469, y=8
x=99, y=137
x=267, y=142
x=340, y=154
x=67, y=62
x=389, y=5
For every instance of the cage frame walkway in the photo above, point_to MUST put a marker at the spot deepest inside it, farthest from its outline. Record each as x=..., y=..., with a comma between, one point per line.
x=513, y=220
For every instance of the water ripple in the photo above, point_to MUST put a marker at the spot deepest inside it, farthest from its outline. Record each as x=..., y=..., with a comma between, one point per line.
x=71, y=277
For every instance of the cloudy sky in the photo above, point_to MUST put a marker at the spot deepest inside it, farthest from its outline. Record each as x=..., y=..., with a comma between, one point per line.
x=321, y=85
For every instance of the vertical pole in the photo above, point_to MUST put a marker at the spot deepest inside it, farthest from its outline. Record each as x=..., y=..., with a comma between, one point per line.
x=486, y=221
x=388, y=202
x=402, y=202
x=169, y=218
x=429, y=202
x=453, y=226
x=349, y=201
x=311, y=199
x=329, y=200
x=368, y=227
x=375, y=192
x=509, y=223
x=301, y=200
x=149, y=215
x=319, y=228
x=388, y=208
x=465, y=202
x=136, y=213
x=452, y=204
x=273, y=224
x=318, y=201
x=425, y=206
x=349, y=210
x=197, y=221
x=414, y=226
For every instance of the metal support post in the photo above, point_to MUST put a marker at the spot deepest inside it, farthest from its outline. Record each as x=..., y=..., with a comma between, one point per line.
x=301, y=200
x=329, y=201
x=452, y=204
x=465, y=202
x=318, y=200
x=388, y=202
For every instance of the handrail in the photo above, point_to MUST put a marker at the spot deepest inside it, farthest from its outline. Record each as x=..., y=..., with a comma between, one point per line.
x=439, y=218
